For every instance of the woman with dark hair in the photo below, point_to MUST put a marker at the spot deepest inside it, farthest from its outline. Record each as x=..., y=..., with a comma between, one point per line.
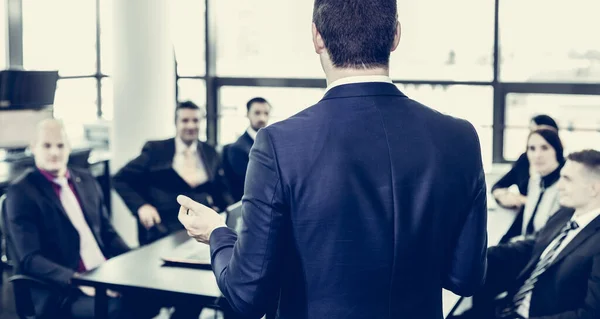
x=519, y=174
x=545, y=155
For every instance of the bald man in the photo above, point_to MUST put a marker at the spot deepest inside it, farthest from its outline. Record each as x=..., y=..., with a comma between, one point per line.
x=59, y=228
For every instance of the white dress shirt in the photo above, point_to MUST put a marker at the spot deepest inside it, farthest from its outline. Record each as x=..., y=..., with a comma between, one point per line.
x=89, y=251
x=187, y=163
x=582, y=221
x=252, y=132
x=359, y=79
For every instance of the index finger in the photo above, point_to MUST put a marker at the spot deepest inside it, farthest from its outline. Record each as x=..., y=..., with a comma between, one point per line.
x=189, y=203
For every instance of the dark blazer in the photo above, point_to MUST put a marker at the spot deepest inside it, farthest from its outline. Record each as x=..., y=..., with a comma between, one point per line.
x=570, y=288
x=45, y=240
x=236, y=158
x=364, y=205
x=151, y=179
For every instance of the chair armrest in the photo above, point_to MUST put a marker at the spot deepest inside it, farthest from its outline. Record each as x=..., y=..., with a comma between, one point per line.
x=28, y=280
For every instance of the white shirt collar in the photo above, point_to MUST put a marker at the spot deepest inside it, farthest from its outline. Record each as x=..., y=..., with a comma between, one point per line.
x=181, y=147
x=359, y=79
x=252, y=132
x=585, y=219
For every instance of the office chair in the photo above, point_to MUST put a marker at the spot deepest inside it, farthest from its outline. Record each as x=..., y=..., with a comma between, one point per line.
x=22, y=284
x=3, y=254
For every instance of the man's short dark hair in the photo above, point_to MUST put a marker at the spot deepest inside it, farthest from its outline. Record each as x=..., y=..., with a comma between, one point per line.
x=255, y=100
x=588, y=158
x=189, y=105
x=357, y=33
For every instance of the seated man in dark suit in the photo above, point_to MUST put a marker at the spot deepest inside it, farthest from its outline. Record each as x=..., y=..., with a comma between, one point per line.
x=237, y=157
x=59, y=227
x=556, y=274
x=150, y=183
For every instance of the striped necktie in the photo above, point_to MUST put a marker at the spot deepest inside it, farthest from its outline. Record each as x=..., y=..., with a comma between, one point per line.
x=541, y=266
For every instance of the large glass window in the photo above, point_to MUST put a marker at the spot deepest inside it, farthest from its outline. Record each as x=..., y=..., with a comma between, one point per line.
x=444, y=40
x=60, y=35
x=3, y=35
x=76, y=103
x=267, y=38
x=472, y=103
x=187, y=34
x=285, y=102
x=560, y=45
x=106, y=39
x=578, y=117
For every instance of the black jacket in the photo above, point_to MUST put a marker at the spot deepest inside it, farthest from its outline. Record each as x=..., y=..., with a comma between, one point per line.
x=45, y=241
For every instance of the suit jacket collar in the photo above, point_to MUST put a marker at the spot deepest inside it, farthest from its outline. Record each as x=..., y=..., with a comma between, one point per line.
x=584, y=235
x=563, y=217
x=363, y=89
x=45, y=187
x=246, y=139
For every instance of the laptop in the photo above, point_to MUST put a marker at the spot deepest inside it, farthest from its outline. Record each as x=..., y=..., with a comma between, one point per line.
x=194, y=254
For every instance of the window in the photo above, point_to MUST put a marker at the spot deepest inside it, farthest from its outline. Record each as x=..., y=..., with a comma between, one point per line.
x=106, y=39
x=472, y=103
x=267, y=38
x=285, y=102
x=578, y=117
x=194, y=90
x=60, y=35
x=444, y=40
x=3, y=35
x=187, y=33
x=561, y=45
x=75, y=103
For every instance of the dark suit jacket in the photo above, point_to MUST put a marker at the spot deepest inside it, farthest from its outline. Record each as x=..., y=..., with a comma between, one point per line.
x=570, y=288
x=151, y=179
x=236, y=158
x=45, y=240
x=365, y=205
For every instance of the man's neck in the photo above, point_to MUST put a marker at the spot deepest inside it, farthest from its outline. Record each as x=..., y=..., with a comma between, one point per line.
x=186, y=143
x=55, y=174
x=584, y=210
x=335, y=74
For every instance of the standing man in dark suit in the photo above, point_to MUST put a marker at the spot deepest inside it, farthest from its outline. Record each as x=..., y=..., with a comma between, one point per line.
x=364, y=205
x=556, y=274
x=150, y=183
x=238, y=153
x=59, y=227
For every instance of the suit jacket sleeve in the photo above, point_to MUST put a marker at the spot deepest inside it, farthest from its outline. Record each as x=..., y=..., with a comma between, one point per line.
x=467, y=268
x=591, y=304
x=114, y=243
x=129, y=182
x=22, y=225
x=247, y=267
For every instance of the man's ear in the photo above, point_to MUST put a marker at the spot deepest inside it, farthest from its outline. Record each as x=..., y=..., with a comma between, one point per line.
x=318, y=42
x=396, y=36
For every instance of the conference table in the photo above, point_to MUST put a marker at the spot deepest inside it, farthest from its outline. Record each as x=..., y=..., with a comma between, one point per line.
x=143, y=270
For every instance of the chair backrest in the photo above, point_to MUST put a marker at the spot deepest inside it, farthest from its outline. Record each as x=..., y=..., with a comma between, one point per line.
x=21, y=288
x=3, y=246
